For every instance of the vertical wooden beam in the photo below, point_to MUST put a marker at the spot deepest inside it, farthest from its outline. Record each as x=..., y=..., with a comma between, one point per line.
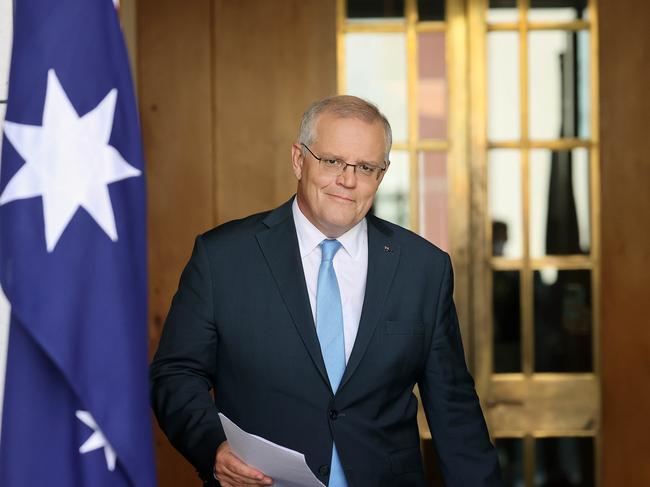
x=174, y=78
x=272, y=60
x=625, y=250
x=222, y=85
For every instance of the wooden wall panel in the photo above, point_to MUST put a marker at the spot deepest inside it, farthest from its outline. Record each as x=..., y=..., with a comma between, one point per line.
x=272, y=60
x=174, y=81
x=222, y=85
x=625, y=179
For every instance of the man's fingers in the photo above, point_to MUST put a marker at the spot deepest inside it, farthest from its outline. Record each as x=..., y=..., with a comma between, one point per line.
x=229, y=478
x=246, y=475
x=231, y=469
x=237, y=466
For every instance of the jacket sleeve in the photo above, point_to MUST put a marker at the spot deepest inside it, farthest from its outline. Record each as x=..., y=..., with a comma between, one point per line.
x=182, y=373
x=466, y=455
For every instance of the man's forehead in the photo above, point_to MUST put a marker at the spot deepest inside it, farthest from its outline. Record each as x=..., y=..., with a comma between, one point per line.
x=339, y=127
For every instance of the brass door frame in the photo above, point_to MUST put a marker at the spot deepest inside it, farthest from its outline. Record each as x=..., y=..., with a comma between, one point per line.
x=529, y=405
x=523, y=405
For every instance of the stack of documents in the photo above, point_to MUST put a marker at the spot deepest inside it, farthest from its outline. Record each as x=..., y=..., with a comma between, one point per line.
x=286, y=467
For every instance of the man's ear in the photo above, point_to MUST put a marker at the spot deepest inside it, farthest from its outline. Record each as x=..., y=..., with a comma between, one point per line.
x=297, y=160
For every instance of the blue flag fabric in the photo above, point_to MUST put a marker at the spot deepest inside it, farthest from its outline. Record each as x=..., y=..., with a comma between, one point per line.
x=73, y=255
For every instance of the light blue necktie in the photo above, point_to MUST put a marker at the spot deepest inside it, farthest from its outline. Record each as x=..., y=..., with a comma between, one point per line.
x=329, y=327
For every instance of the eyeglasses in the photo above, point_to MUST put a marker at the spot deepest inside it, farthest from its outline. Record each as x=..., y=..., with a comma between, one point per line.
x=336, y=167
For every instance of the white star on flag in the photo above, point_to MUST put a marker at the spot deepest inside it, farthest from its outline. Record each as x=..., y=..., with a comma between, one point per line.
x=68, y=162
x=97, y=440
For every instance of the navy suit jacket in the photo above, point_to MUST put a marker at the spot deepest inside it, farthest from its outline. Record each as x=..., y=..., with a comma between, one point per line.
x=241, y=326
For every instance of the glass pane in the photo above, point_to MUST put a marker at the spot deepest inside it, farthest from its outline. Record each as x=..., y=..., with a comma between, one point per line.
x=564, y=461
x=432, y=85
x=563, y=323
x=434, y=193
x=559, y=202
x=375, y=69
x=392, y=199
x=559, y=84
x=374, y=9
x=557, y=10
x=504, y=198
x=506, y=318
x=503, y=86
x=511, y=458
x=583, y=83
x=502, y=11
x=431, y=9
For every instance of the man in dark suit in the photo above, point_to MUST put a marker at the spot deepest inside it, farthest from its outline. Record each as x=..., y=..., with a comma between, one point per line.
x=312, y=323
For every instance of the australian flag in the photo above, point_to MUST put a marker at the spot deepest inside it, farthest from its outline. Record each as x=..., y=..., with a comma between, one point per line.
x=72, y=255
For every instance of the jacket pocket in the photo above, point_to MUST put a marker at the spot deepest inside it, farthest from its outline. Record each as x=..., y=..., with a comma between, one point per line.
x=404, y=328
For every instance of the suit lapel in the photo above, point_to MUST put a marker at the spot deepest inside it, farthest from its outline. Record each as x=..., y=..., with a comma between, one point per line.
x=279, y=245
x=383, y=256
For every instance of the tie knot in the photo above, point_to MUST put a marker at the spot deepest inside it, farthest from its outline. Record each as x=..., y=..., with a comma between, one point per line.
x=329, y=248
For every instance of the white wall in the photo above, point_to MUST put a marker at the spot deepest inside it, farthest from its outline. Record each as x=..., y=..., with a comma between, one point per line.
x=5, y=46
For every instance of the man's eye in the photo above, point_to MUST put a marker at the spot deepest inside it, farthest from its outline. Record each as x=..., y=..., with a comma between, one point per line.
x=366, y=168
x=331, y=162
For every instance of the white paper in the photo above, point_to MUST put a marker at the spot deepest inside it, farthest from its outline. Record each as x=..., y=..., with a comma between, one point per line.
x=286, y=467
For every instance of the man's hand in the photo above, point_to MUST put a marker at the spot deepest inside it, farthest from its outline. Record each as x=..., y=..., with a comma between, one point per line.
x=232, y=472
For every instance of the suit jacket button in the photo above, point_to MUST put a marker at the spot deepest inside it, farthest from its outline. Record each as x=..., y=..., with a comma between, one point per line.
x=333, y=413
x=324, y=470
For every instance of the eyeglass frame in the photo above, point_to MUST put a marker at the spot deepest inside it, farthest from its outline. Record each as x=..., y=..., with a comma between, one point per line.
x=354, y=166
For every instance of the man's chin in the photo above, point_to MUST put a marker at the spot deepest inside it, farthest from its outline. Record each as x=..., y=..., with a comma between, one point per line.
x=341, y=225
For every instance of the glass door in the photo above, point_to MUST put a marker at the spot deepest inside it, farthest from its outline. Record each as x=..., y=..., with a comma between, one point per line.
x=537, y=291
x=494, y=110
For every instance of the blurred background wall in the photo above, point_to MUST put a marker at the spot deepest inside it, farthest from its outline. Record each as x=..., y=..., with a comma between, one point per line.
x=222, y=86
x=625, y=166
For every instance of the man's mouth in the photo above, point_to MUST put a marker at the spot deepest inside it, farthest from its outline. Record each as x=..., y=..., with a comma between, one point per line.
x=340, y=197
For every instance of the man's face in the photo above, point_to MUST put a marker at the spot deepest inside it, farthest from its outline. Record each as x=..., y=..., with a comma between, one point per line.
x=335, y=204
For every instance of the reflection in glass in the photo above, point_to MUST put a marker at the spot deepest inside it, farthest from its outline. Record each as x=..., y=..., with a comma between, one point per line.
x=511, y=459
x=506, y=316
x=375, y=69
x=431, y=9
x=503, y=86
x=434, y=192
x=373, y=9
x=563, y=320
x=502, y=11
x=557, y=10
x=504, y=198
x=559, y=84
x=432, y=85
x=559, y=202
x=564, y=461
x=584, y=91
x=392, y=199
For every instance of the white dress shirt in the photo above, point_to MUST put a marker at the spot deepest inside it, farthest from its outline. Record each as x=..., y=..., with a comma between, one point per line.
x=350, y=265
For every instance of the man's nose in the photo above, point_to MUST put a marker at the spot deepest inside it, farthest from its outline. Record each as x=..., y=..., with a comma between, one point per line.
x=348, y=177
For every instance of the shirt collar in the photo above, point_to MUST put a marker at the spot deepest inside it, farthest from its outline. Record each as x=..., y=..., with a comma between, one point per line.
x=310, y=237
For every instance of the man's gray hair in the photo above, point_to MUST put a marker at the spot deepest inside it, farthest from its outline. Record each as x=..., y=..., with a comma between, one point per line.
x=343, y=106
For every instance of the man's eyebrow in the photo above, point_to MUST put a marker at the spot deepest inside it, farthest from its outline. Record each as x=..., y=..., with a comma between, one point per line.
x=327, y=155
